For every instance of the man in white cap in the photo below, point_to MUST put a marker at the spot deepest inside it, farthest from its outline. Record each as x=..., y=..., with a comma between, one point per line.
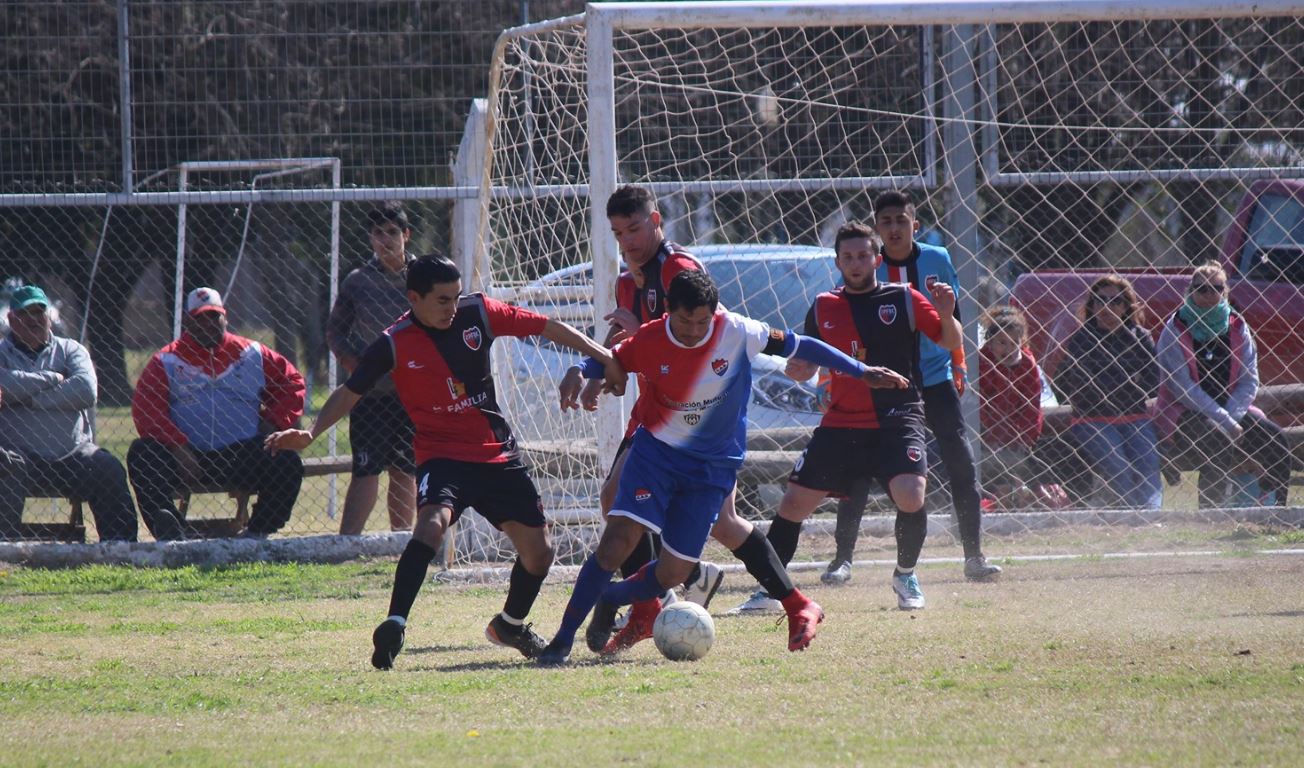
x=201, y=407
x=45, y=424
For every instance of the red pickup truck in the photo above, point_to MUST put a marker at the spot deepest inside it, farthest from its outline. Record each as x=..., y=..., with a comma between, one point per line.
x=1263, y=253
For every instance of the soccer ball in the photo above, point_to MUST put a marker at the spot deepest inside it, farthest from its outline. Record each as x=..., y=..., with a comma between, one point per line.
x=683, y=631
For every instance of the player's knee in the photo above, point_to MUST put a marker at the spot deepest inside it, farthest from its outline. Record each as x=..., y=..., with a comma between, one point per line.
x=908, y=492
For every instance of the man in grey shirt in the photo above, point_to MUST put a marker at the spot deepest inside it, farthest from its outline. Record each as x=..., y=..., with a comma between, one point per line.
x=371, y=299
x=45, y=424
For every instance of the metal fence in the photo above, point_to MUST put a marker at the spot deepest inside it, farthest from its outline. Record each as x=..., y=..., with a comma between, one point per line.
x=148, y=148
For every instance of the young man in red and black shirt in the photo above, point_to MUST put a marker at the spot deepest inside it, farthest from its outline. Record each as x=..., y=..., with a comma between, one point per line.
x=466, y=456
x=879, y=431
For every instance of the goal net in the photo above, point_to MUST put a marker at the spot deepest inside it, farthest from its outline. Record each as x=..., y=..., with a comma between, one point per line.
x=1046, y=145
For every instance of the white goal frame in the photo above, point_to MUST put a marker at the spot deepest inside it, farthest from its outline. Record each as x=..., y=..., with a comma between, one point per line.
x=960, y=121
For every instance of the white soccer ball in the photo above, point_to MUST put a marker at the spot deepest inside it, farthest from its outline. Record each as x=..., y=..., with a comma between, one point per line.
x=683, y=631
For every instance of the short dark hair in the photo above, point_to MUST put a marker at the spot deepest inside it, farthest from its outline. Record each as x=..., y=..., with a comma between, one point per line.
x=427, y=271
x=853, y=230
x=894, y=199
x=630, y=200
x=691, y=289
x=383, y=214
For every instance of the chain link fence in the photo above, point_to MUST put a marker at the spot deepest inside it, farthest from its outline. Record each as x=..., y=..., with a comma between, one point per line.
x=150, y=148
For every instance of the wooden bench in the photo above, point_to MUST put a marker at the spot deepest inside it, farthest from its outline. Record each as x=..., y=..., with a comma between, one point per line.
x=74, y=531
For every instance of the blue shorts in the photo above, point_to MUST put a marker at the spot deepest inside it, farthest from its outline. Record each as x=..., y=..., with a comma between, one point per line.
x=673, y=494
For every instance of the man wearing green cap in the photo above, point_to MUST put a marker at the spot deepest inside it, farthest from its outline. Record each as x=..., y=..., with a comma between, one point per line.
x=45, y=424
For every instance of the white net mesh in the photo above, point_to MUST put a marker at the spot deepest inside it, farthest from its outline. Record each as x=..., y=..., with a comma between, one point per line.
x=1132, y=147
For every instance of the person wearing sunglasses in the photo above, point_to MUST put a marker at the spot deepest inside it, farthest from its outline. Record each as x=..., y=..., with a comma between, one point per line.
x=1205, y=409
x=1107, y=375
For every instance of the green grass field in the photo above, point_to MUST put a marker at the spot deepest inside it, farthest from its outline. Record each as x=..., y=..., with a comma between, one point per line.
x=1169, y=661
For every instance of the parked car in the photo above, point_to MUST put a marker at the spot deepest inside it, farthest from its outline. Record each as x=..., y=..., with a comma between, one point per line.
x=1263, y=254
x=772, y=283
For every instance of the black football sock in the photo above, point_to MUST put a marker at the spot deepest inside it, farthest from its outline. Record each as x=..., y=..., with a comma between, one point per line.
x=408, y=577
x=763, y=564
x=783, y=537
x=911, y=529
x=850, y=512
x=642, y=554
x=521, y=591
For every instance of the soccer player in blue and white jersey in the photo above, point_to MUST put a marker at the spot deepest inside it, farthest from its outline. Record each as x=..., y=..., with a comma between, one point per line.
x=684, y=457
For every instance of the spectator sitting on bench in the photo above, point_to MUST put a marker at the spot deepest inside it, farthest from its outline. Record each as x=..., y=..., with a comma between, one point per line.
x=201, y=407
x=45, y=424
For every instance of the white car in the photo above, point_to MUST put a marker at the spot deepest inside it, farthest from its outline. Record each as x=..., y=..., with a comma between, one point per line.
x=775, y=284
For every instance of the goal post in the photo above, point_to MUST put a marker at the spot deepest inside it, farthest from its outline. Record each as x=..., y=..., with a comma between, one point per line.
x=1032, y=135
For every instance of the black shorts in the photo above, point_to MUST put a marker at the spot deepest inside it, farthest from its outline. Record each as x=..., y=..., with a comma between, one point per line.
x=501, y=493
x=839, y=459
x=381, y=435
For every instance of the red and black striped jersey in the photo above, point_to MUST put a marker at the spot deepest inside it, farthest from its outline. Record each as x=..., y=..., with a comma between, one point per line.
x=445, y=381
x=649, y=302
x=879, y=328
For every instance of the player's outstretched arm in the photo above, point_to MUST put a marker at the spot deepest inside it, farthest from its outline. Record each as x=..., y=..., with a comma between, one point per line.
x=563, y=334
x=815, y=351
x=337, y=406
x=943, y=298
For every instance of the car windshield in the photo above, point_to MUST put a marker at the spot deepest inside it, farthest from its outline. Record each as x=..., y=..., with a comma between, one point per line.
x=777, y=292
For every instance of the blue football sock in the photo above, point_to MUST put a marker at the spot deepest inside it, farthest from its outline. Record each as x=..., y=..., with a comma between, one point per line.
x=588, y=586
x=637, y=588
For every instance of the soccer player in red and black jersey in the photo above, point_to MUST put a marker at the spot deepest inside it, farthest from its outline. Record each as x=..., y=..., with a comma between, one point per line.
x=869, y=430
x=438, y=354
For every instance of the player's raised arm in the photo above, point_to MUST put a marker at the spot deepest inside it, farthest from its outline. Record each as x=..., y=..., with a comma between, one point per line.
x=943, y=299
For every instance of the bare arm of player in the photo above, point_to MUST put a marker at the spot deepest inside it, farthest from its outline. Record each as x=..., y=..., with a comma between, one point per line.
x=884, y=378
x=623, y=323
x=943, y=298
x=337, y=406
x=560, y=333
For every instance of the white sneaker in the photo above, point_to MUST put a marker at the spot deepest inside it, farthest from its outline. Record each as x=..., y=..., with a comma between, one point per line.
x=838, y=572
x=759, y=603
x=909, y=596
x=978, y=569
x=708, y=582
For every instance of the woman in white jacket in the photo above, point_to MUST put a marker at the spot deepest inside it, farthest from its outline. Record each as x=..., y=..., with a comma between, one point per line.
x=1206, y=413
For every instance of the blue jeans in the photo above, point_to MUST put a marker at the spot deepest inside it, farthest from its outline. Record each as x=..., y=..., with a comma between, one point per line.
x=1126, y=457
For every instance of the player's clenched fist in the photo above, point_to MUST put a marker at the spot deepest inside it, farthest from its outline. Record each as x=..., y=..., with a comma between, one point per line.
x=878, y=377
x=943, y=297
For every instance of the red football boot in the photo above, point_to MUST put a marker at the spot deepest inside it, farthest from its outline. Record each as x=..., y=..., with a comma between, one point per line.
x=639, y=627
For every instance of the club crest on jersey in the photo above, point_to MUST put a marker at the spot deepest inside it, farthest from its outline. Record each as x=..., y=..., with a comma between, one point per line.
x=691, y=419
x=651, y=299
x=914, y=454
x=642, y=494
x=472, y=338
x=719, y=365
x=665, y=370
x=929, y=281
x=887, y=313
x=456, y=389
